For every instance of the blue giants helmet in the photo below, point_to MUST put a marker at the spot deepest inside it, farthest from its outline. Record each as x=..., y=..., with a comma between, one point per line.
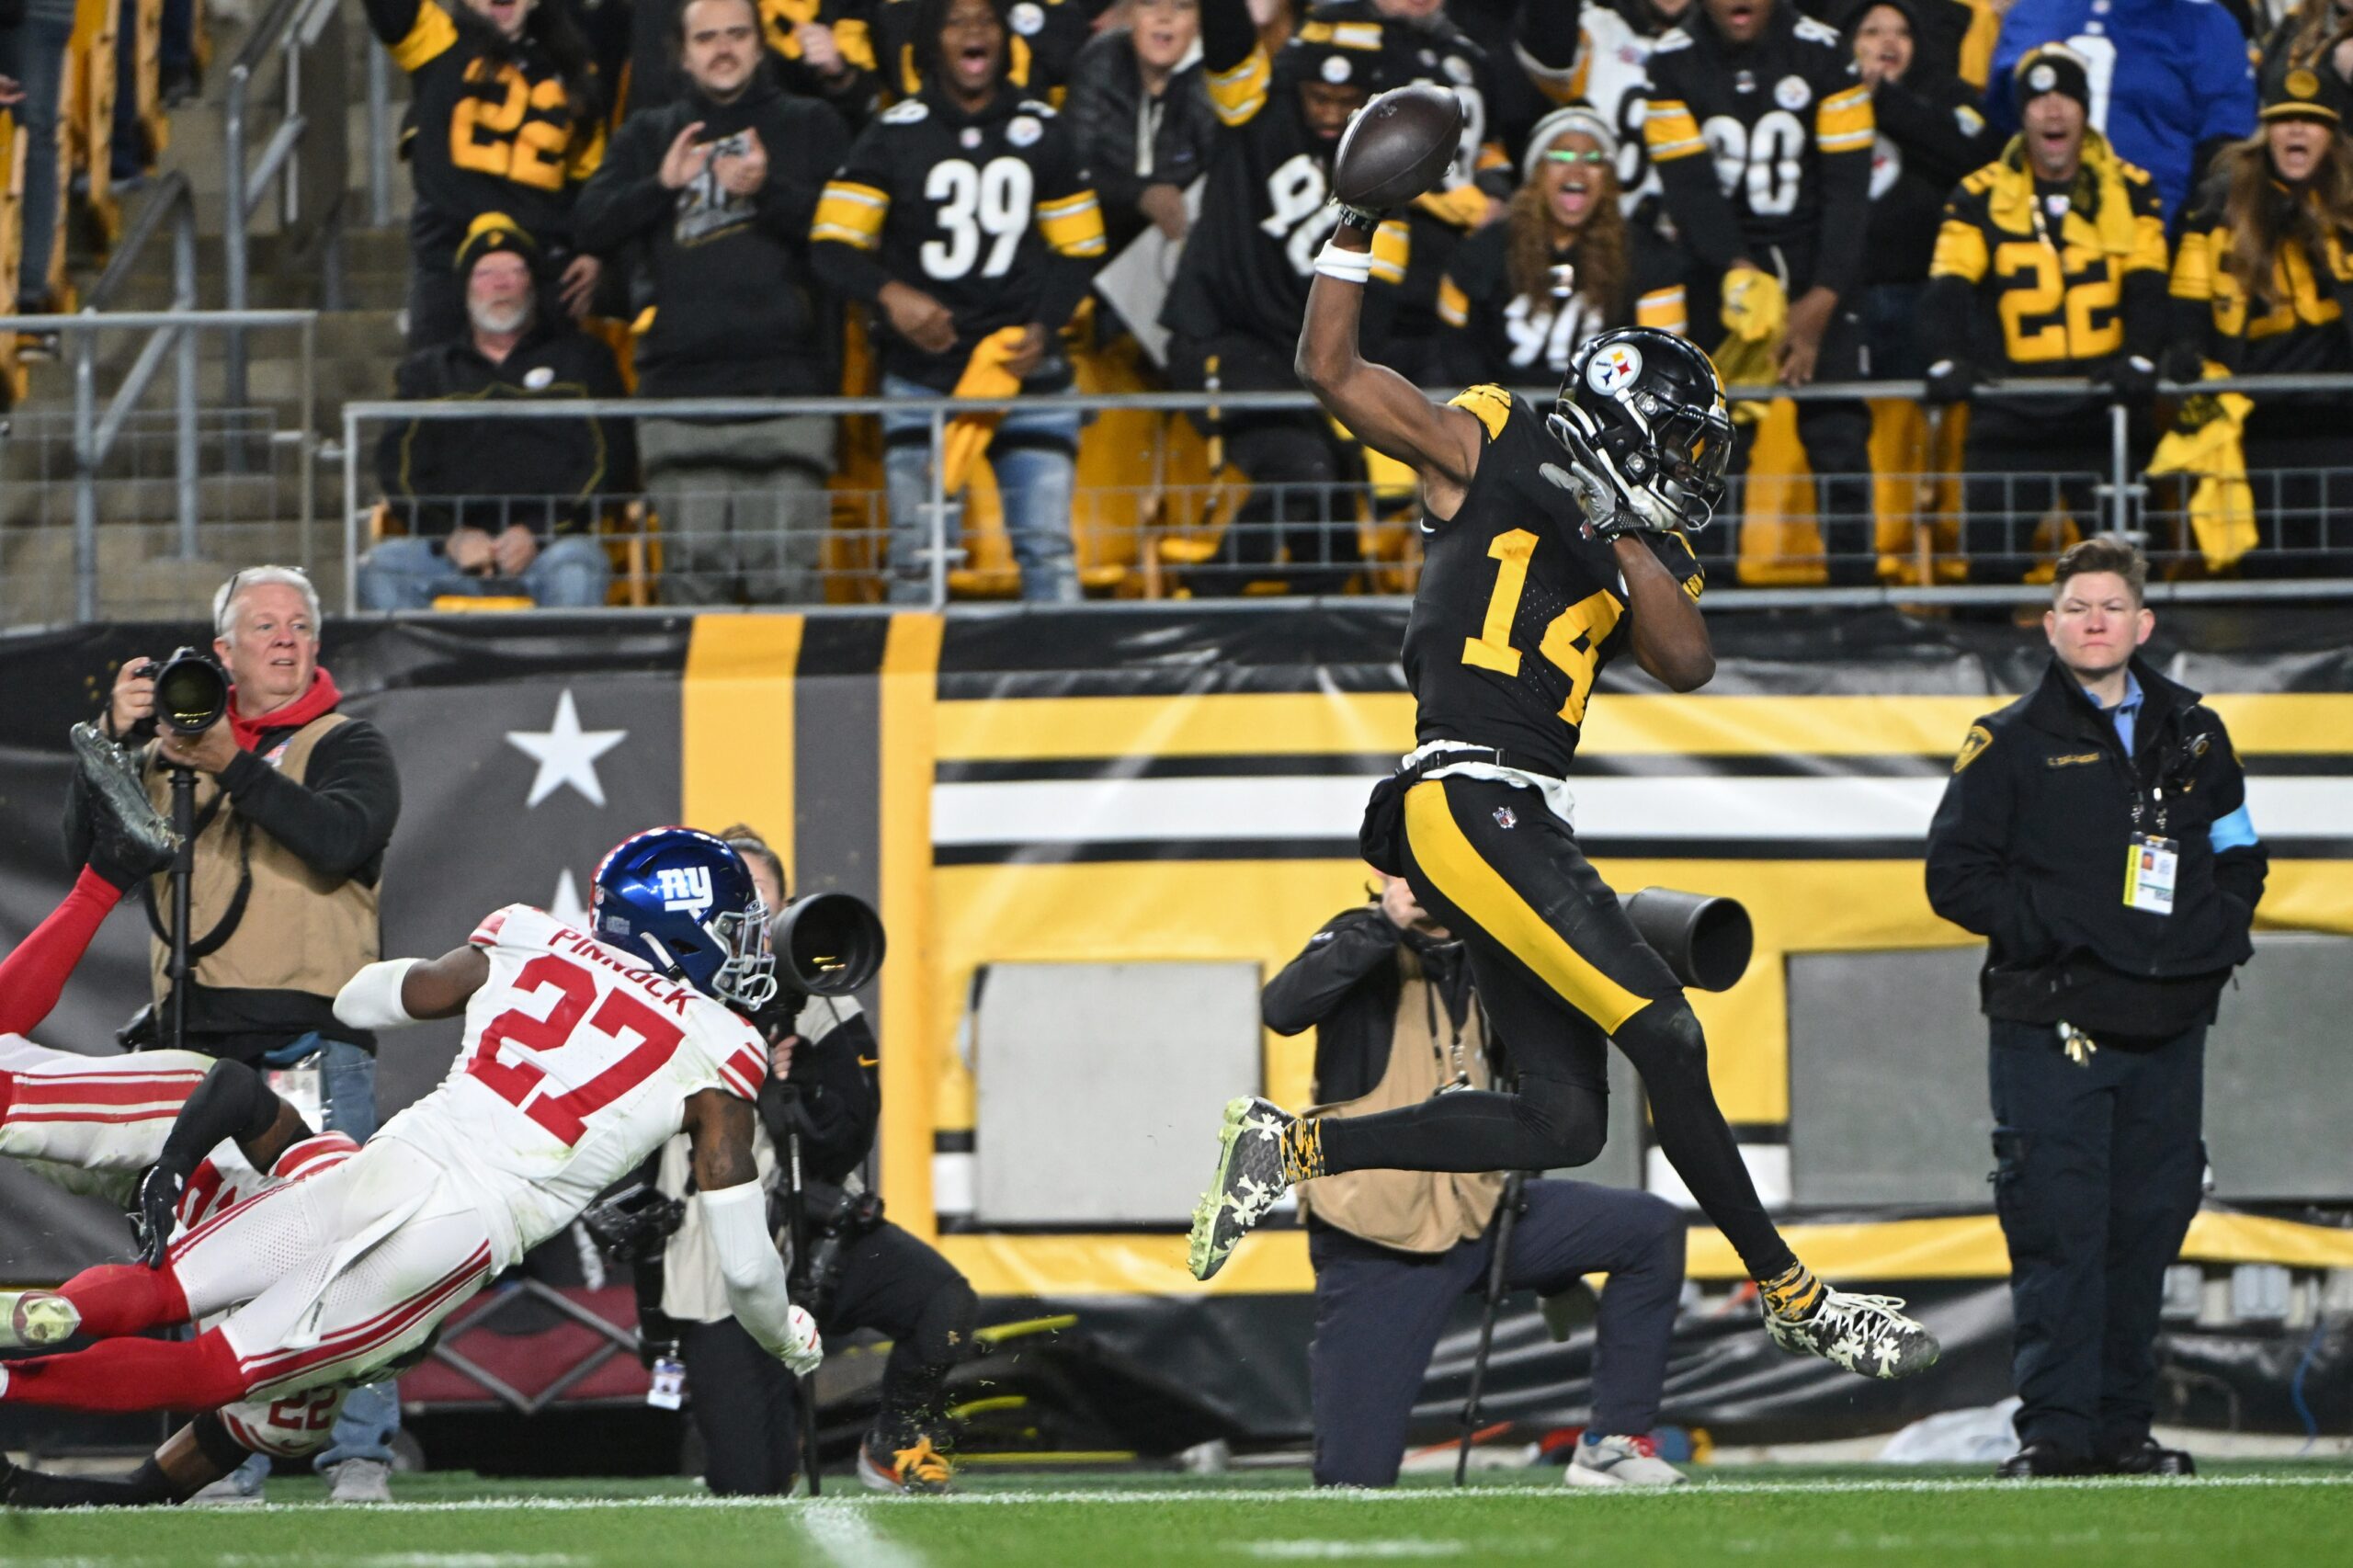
x=685, y=902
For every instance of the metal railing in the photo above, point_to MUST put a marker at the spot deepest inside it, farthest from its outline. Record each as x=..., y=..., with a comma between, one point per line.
x=2120, y=492
x=305, y=159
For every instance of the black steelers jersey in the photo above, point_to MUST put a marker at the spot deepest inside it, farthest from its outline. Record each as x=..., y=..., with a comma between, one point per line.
x=2295, y=325
x=1519, y=609
x=1766, y=148
x=1042, y=41
x=489, y=134
x=1434, y=50
x=1494, y=332
x=990, y=213
x=1266, y=208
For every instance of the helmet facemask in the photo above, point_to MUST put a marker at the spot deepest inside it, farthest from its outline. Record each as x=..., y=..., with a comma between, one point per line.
x=1666, y=460
x=746, y=977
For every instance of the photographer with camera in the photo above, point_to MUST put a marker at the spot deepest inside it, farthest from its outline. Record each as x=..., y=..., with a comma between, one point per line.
x=861, y=1271
x=289, y=804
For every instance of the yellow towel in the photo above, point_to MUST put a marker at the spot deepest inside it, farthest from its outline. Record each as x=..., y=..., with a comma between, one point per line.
x=2222, y=508
x=1743, y=363
x=984, y=376
x=1755, y=306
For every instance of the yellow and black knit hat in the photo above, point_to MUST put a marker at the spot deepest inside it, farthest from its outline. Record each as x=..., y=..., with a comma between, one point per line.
x=489, y=234
x=2297, y=93
x=2052, y=68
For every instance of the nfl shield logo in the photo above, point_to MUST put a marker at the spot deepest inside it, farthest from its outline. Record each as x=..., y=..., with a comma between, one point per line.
x=1506, y=817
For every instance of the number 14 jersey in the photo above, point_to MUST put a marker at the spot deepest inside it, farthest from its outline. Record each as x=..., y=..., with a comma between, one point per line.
x=576, y=1065
x=1519, y=607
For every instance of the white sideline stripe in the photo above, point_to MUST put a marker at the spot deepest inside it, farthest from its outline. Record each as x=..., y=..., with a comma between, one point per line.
x=844, y=1536
x=1699, y=1488
x=1341, y=1551
x=1060, y=811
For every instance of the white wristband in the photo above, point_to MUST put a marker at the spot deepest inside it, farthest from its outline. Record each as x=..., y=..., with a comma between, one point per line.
x=371, y=999
x=1346, y=265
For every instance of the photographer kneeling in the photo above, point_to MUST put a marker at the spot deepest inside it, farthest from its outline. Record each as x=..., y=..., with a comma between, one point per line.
x=294, y=803
x=862, y=1272
x=1390, y=996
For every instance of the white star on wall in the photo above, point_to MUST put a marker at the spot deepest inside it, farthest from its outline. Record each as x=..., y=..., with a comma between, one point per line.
x=566, y=905
x=567, y=754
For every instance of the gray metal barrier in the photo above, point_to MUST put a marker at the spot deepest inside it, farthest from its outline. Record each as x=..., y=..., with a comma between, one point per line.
x=305, y=159
x=2120, y=491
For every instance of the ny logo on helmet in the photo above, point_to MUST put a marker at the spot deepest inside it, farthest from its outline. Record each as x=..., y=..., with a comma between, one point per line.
x=685, y=887
x=1614, y=368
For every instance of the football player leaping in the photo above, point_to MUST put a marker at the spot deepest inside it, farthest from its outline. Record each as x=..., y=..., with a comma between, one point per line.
x=1553, y=542
x=583, y=1054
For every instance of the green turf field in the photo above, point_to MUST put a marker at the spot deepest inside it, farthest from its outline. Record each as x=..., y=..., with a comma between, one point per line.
x=2241, y=1516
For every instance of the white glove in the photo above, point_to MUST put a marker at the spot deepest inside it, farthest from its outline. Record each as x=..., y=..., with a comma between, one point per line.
x=807, y=1351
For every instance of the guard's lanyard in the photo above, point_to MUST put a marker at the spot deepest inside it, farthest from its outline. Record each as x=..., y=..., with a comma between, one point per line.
x=2149, y=807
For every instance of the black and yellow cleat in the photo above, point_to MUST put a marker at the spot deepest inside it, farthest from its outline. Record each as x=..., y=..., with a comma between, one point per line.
x=922, y=1469
x=1254, y=1168
x=1870, y=1335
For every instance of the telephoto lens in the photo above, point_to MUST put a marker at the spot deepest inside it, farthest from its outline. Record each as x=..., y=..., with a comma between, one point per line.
x=191, y=692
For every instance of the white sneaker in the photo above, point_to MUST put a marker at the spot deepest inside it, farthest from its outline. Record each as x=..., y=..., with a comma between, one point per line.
x=1620, y=1461
x=361, y=1481
x=1870, y=1335
x=229, y=1492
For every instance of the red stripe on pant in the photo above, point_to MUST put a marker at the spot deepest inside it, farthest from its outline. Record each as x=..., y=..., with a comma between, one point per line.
x=126, y=1297
x=131, y=1375
x=277, y=1366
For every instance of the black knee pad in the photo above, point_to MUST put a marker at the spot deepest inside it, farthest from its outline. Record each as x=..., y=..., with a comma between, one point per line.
x=1570, y=1116
x=1665, y=1036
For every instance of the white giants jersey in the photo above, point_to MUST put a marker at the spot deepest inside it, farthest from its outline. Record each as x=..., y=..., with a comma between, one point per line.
x=1612, y=74
x=577, y=1065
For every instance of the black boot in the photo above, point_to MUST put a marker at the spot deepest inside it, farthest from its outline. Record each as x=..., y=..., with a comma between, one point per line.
x=2040, y=1461
x=2146, y=1458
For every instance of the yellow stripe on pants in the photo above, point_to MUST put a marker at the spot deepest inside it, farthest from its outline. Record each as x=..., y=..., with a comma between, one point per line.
x=1458, y=870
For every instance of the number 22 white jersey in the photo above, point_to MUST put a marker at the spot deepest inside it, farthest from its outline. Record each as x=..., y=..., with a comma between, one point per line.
x=577, y=1063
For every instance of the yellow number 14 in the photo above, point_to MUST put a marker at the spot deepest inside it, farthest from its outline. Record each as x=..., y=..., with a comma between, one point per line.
x=1572, y=642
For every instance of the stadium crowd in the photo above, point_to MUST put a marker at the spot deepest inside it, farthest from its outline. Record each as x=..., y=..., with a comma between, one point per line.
x=741, y=199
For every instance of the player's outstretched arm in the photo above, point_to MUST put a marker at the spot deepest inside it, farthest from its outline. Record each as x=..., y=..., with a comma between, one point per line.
x=735, y=1215
x=1670, y=636
x=1381, y=408
x=398, y=992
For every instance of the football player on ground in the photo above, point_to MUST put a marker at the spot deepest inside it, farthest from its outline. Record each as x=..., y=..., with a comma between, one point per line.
x=581, y=1055
x=1553, y=543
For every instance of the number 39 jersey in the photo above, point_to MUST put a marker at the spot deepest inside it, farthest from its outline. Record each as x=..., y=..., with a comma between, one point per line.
x=1518, y=609
x=576, y=1065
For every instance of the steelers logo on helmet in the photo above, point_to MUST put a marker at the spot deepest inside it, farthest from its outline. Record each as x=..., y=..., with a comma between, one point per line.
x=1337, y=69
x=1614, y=368
x=2042, y=78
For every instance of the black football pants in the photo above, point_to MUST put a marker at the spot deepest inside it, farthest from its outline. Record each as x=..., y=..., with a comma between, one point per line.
x=743, y=1398
x=1379, y=1313
x=2098, y=1171
x=1561, y=972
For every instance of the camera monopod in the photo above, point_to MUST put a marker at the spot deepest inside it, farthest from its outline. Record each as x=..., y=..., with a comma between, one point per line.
x=796, y=1209
x=1706, y=942
x=192, y=696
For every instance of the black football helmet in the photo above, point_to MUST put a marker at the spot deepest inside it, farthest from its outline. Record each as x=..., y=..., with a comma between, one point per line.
x=1643, y=413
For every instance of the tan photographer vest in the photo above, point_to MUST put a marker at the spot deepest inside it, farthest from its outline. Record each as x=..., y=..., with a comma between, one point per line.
x=299, y=930
x=1428, y=1211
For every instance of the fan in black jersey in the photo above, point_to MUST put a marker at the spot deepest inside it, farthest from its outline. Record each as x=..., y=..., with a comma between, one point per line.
x=817, y=49
x=1553, y=543
x=1419, y=42
x=1042, y=43
x=2279, y=207
x=1761, y=133
x=1599, y=54
x=504, y=117
x=1522, y=296
x=964, y=217
x=1232, y=312
x=2051, y=261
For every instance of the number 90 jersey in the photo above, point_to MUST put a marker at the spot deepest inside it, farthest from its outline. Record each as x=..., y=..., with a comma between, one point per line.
x=1518, y=609
x=576, y=1065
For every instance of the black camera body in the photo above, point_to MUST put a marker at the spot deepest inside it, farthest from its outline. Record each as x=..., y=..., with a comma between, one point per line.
x=191, y=691
x=833, y=1227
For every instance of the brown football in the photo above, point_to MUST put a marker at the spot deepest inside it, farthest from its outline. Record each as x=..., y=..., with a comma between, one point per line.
x=1397, y=147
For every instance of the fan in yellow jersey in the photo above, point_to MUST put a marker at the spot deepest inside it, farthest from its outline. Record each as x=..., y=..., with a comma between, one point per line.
x=2280, y=210
x=1553, y=543
x=2051, y=261
x=506, y=117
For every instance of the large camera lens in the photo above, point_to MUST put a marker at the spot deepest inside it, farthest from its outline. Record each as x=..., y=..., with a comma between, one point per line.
x=829, y=943
x=191, y=693
x=1705, y=940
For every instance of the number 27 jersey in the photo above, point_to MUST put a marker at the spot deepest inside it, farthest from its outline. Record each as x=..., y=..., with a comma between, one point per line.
x=1517, y=609
x=576, y=1065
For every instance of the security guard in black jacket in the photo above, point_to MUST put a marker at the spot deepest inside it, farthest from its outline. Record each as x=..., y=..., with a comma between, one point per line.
x=2097, y=832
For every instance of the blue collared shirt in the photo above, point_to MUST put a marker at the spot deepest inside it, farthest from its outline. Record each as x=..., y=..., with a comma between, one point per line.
x=2234, y=832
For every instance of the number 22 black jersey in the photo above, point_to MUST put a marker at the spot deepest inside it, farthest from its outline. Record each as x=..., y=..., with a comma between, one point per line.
x=493, y=129
x=1519, y=607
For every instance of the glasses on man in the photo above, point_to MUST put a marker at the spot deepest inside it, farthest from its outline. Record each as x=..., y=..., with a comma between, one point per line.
x=1590, y=155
